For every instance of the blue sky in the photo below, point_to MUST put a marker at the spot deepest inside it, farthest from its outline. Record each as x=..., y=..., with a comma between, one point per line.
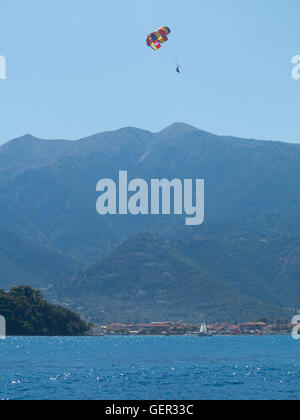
x=77, y=67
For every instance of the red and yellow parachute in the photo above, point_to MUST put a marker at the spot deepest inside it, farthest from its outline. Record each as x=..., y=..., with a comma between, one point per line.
x=157, y=38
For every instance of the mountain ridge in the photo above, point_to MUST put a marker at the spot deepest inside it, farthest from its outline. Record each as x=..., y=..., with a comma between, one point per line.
x=148, y=277
x=48, y=197
x=240, y=177
x=171, y=128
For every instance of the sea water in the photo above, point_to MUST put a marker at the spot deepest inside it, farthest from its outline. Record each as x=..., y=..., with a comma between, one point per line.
x=151, y=368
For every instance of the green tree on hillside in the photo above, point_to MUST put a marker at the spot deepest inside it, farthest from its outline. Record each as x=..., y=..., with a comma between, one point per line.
x=27, y=313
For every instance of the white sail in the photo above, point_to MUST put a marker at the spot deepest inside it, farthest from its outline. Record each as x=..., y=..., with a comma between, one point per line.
x=203, y=329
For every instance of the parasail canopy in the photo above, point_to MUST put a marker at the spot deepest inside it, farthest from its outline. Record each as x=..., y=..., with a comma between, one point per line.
x=157, y=38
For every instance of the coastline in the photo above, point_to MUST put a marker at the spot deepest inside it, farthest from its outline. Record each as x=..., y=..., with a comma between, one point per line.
x=169, y=329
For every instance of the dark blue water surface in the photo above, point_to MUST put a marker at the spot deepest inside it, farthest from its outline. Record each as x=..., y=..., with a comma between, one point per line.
x=150, y=368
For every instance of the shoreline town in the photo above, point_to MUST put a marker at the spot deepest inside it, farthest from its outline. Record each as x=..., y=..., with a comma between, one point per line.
x=177, y=329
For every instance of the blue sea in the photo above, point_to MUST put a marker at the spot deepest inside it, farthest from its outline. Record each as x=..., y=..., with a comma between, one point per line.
x=151, y=368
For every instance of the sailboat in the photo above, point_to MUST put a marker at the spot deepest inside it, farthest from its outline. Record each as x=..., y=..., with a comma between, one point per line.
x=203, y=330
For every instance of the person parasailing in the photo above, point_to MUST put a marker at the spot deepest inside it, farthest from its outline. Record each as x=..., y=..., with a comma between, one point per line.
x=158, y=38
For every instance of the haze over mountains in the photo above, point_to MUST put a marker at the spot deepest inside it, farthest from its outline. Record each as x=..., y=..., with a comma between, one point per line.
x=149, y=278
x=241, y=263
x=23, y=262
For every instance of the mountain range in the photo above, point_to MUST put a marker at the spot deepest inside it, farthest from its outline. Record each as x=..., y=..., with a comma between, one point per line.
x=240, y=264
x=150, y=278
